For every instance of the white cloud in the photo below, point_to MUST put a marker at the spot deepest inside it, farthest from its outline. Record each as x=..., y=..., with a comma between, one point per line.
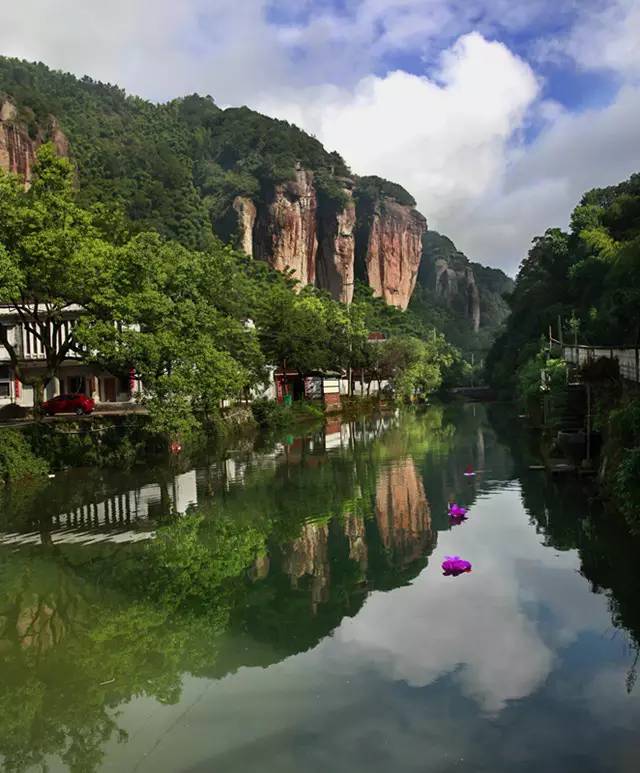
x=543, y=182
x=608, y=37
x=453, y=138
x=444, y=138
x=156, y=48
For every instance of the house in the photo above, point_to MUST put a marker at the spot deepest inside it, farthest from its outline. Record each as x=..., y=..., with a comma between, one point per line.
x=74, y=375
x=317, y=385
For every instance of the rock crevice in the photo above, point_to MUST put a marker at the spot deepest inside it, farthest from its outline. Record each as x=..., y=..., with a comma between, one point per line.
x=318, y=243
x=288, y=226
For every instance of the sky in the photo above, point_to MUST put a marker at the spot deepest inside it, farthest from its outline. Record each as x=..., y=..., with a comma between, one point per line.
x=495, y=114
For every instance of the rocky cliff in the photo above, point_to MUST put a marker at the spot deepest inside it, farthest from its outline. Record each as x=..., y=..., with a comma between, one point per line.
x=448, y=273
x=18, y=147
x=394, y=251
x=336, y=248
x=317, y=241
x=467, y=290
x=285, y=232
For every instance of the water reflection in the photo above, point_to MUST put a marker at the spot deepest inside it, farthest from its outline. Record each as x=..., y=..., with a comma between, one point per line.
x=300, y=578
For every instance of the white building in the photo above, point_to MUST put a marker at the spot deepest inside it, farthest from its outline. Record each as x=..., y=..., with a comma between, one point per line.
x=73, y=375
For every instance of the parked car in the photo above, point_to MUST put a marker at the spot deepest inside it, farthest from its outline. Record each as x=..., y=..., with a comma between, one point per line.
x=69, y=403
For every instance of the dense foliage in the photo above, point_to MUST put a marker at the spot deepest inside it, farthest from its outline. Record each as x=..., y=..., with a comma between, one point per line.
x=196, y=326
x=584, y=286
x=17, y=460
x=372, y=188
x=589, y=277
x=449, y=311
x=173, y=168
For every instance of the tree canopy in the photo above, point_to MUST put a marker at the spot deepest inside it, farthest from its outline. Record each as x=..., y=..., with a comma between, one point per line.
x=196, y=326
x=589, y=277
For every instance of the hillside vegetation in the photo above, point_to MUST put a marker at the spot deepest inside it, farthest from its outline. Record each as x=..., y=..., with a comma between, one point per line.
x=174, y=168
x=589, y=277
x=587, y=280
x=451, y=310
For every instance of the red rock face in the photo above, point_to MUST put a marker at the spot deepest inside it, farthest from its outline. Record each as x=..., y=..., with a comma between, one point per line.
x=320, y=246
x=18, y=149
x=403, y=513
x=336, y=251
x=394, y=251
x=286, y=233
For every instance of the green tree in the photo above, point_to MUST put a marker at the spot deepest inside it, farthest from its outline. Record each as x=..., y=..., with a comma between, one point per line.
x=182, y=325
x=51, y=259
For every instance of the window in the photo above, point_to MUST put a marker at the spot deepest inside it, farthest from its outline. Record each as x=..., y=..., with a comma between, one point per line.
x=5, y=381
x=77, y=384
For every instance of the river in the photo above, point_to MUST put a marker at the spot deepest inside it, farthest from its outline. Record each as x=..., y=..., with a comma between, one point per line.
x=283, y=608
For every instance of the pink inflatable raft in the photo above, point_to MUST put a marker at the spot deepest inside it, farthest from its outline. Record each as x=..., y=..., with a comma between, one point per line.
x=455, y=511
x=452, y=566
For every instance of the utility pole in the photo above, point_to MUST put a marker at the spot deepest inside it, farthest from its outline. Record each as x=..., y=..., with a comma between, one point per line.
x=560, y=335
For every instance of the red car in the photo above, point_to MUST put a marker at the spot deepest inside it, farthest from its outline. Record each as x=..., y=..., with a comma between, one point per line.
x=70, y=403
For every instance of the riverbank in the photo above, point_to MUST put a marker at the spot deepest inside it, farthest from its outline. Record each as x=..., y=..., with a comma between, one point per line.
x=33, y=448
x=589, y=425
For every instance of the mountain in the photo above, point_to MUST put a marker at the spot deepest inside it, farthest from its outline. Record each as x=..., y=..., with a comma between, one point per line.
x=459, y=297
x=194, y=172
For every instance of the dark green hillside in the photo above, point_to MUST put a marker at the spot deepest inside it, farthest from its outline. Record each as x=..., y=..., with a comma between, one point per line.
x=448, y=303
x=174, y=168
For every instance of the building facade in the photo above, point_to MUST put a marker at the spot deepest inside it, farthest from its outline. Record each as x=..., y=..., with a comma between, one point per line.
x=73, y=375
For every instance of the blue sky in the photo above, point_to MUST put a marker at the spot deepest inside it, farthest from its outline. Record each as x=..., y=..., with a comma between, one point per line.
x=496, y=114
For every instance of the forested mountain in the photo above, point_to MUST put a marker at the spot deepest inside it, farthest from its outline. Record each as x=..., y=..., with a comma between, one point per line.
x=464, y=300
x=200, y=175
x=589, y=277
x=192, y=171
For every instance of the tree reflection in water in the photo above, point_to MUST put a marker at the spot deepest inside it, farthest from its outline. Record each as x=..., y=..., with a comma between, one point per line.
x=282, y=546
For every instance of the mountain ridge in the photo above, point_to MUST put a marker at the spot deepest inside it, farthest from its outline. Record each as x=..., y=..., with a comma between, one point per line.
x=196, y=172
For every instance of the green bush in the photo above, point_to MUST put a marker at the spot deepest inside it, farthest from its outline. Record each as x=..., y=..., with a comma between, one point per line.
x=627, y=493
x=624, y=424
x=539, y=375
x=17, y=460
x=267, y=413
x=272, y=415
x=621, y=459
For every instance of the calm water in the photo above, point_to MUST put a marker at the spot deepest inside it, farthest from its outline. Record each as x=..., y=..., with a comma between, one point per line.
x=285, y=611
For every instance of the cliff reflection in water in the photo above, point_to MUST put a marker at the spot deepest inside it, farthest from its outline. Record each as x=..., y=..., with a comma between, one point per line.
x=278, y=547
x=402, y=512
x=255, y=557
